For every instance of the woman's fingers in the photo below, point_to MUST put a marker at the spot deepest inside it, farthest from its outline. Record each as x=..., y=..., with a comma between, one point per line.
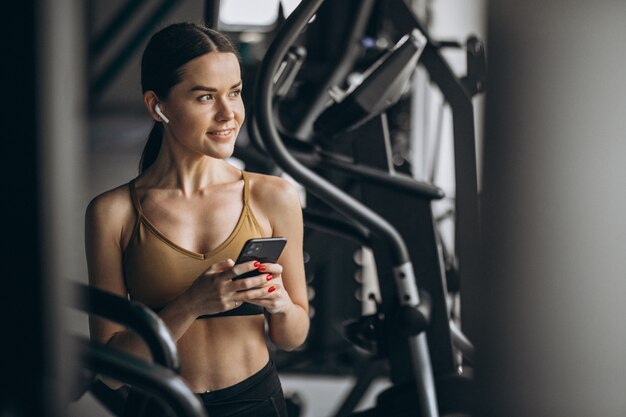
x=220, y=266
x=246, y=284
x=219, y=289
x=245, y=269
x=267, y=290
x=225, y=288
x=251, y=269
x=271, y=296
x=266, y=274
x=275, y=269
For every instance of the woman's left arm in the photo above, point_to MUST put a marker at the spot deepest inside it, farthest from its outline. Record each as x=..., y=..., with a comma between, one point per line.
x=284, y=296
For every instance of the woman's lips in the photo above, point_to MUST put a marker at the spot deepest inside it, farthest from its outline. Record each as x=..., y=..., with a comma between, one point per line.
x=221, y=134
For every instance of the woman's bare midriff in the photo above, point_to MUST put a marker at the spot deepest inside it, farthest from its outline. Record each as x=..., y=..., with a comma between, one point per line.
x=218, y=352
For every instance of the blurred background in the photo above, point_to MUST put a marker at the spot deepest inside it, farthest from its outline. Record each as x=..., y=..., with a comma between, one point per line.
x=544, y=299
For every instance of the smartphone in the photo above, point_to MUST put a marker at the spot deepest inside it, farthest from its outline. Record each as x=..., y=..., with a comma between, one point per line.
x=266, y=249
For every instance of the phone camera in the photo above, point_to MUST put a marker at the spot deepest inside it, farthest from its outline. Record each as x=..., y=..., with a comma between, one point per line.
x=254, y=249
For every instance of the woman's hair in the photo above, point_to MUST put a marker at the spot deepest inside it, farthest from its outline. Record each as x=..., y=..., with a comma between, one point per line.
x=167, y=51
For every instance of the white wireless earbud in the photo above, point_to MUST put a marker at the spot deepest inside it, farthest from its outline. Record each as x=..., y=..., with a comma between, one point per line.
x=158, y=111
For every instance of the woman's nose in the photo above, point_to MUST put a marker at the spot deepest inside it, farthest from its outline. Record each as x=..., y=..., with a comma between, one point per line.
x=225, y=111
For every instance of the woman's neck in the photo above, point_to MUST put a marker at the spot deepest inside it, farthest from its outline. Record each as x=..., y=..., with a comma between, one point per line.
x=189, y=173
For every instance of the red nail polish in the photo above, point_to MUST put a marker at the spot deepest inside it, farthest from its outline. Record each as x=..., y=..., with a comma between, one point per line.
x=271, y=289
x=262, y=268
x=256, y=264
x=269, y=277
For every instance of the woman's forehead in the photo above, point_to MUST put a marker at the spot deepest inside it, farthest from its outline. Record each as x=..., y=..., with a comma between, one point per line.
x=219, y=69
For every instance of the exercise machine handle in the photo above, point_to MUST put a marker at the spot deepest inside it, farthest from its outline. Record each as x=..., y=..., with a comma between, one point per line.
x=161, y=382
x=132, y=314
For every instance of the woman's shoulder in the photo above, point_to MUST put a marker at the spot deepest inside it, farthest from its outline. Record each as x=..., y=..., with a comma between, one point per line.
x=261, y=185
x=273, y=191
x=112, y=206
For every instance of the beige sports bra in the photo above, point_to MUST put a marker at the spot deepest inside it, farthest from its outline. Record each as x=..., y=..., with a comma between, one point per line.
x=158, y=270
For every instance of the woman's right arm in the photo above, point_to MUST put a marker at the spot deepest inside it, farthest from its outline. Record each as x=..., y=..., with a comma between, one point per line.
x=106, y=221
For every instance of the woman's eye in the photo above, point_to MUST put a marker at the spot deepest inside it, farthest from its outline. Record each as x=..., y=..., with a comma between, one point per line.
x=206, y=97
x=235, y=93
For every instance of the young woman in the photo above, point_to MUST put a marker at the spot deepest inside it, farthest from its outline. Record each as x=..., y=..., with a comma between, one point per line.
x=169, y=237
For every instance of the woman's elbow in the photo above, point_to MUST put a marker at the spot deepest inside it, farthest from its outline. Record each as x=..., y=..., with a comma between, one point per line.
x=288, y=345
x=292, y=341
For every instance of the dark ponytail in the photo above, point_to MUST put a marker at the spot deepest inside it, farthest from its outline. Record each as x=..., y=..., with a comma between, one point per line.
x=152, y=147
x=167, y=51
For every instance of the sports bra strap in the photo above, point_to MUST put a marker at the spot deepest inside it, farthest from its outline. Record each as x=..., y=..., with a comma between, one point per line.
x=246, y=187
x=135, y=199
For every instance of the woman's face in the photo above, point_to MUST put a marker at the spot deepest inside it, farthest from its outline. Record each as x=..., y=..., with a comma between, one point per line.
x=205, y=109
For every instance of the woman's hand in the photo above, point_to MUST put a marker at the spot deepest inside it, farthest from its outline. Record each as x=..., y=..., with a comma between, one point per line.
x=215, y=291
x=271, y=294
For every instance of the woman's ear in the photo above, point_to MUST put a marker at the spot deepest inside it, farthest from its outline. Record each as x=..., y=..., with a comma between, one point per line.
x=150, y=100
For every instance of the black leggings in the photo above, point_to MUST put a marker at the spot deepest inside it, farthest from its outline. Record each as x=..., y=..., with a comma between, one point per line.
x=259, y=395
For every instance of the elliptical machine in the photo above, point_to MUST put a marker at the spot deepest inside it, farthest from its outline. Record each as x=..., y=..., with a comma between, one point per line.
x=402, y=321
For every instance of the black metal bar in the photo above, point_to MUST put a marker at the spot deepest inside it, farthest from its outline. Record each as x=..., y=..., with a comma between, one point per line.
x=118, y=62
x=255, y=160
x=253, y=133
x=402, y=182
x=334, y=226
x=315, y=102
x=364, y=379
x=132, y=314
x=447, y=44
x=282, y=82
x=467, y=222
x=212, y=13
x=160, y=382
x=124, y=15
x=476, y=79
x=398, y=181
x=289, y=69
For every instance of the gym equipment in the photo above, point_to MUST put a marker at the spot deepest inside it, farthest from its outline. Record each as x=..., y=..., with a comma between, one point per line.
x=161, y=379
x=408, y=296
x=354, y=108
x=160, y=382
x=382, y=86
